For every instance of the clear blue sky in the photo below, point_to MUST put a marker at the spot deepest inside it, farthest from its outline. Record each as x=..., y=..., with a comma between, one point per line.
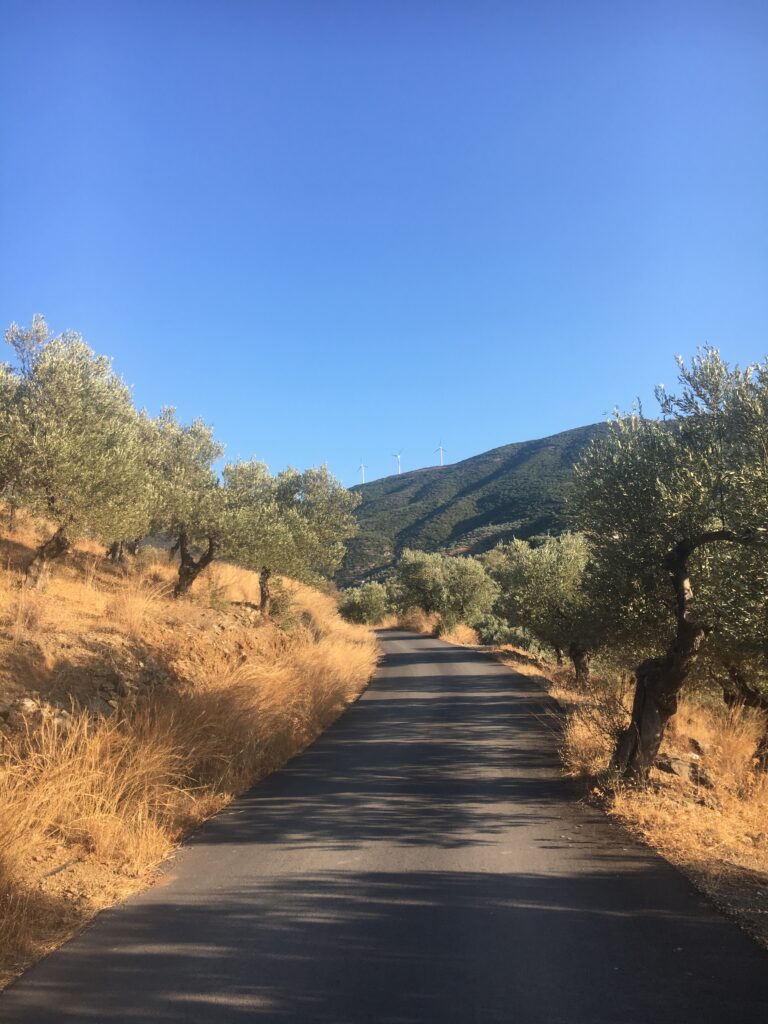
x=336, y=229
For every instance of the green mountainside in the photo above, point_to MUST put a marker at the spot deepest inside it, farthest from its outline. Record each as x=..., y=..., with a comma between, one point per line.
x=516, y=490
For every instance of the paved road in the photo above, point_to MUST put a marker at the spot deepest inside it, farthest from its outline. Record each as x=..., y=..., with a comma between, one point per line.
x=422, y=863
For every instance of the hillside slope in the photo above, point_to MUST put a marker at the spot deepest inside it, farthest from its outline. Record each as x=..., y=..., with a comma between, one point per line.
x=516, y=490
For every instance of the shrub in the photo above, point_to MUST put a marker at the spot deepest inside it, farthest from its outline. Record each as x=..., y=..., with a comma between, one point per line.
x=366, y=604
x=492, y=630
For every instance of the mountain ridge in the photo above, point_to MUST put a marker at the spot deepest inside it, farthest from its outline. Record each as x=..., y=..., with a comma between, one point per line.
x=518, y=489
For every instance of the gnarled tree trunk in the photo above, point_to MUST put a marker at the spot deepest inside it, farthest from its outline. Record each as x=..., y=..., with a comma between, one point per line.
x=580, y=657
x=659, y=680
x=49, y=550
x=658, y=684
x=265, y=602
x=189, y=567
x=115, y=552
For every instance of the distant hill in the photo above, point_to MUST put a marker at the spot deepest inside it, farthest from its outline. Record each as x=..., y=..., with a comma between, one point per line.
x=516, y=490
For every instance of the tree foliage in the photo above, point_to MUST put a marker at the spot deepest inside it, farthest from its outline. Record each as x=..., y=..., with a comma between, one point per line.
x=76, y=451
x=189, y=500
x=367, y=604
x=542, y=590
x=457, y=588
x=294, y=523
x=72, y=441
x=671, y=509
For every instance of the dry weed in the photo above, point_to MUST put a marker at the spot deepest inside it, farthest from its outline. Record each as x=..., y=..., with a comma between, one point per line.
x=135, y=603
x=417, y=621
x=28, y=613
x=461, y=634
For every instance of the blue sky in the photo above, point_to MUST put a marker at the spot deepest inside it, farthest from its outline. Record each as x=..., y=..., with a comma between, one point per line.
x=341, y=229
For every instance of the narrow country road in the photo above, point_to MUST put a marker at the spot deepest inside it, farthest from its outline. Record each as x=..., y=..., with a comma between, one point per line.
x=422, y=863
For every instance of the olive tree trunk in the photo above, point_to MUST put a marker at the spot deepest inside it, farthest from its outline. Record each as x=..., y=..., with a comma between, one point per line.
x=265, y=601
x=658, y=681
x=190, y=567
x=116, y=551
x=580, y=658
x=49, y=551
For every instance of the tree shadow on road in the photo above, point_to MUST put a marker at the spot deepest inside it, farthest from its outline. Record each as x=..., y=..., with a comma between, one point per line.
x=407, y=948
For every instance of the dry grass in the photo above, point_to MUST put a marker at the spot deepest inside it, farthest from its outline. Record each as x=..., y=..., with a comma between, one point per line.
x=136, y=603
x=212, y=700
x=460, y=634
x=417, y=621
x=430, y=623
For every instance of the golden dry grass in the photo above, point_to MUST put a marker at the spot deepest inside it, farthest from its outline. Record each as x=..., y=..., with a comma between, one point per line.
x=431, y=624
x=460, y=634
x=213, y=698
x=417, y=621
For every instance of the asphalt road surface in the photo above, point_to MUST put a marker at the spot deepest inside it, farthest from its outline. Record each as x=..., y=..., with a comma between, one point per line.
x=422, y=863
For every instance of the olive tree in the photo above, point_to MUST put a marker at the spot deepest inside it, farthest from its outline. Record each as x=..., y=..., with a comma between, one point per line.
x=542, y=590
x=71, y=441
x=457, y=588
x=665, y=505
x=189, y=501
x=366, y=604
x=418, y=582
x=469, y=592
x=295, y=523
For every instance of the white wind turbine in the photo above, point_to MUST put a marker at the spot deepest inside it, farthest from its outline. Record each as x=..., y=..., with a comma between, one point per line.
x=396, y=455
x=362, y=469
x=442, y=452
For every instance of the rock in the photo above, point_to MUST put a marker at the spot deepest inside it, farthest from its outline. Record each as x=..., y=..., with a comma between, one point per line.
x=122, y=688
x=696, y=747
x=98, y=706
x=28, y=706
x=673, y=765
x=700, y=776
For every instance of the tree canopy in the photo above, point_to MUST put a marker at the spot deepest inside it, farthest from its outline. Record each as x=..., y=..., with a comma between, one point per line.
x=670, y=509
x=72, y=441
x=76, y=451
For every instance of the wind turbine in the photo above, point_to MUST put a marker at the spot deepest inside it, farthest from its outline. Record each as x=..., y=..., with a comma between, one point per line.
x=442, y=452
x=396, y=455
x=362, y=468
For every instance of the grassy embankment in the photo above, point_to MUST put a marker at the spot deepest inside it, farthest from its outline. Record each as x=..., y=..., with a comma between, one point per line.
x=127, y=718
x=706, y=810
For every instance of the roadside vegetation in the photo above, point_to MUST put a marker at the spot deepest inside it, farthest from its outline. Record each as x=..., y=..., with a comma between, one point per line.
x=167, y=633
x=75, y=451
x=657, y=598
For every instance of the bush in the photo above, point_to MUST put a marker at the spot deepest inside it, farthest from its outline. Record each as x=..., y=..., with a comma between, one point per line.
x=492, y=630
x=366, y=604
x=457, y=588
